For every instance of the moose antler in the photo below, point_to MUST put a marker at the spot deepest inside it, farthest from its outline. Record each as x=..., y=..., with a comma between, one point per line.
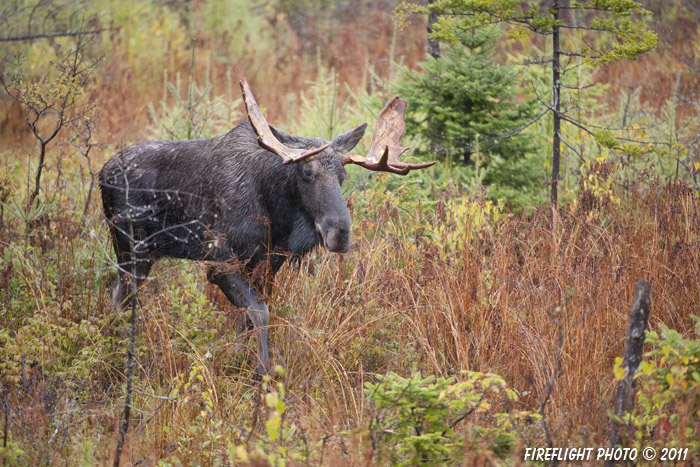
x=265, y=137
x=384, y=150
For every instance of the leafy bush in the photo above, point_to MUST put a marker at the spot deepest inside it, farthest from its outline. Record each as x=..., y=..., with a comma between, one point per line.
x=416, y=418
x=282, y=444
x=322, y=112
x=57, y=346
x=193, y=114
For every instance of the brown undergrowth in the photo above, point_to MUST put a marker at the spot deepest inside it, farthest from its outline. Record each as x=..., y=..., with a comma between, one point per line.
x=487, y=306
x=457, y=287
x=489, y=292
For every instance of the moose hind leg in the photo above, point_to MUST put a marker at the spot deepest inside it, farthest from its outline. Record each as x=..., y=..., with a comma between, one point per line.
x=121, y=288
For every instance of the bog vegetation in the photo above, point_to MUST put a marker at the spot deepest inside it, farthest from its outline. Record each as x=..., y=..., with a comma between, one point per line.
x=471, y=319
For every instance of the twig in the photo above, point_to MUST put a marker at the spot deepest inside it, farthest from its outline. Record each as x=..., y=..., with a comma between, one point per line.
x=5, y=410
x=132, y=343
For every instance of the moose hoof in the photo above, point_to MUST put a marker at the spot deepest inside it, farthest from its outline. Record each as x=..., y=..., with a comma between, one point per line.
x=262, y=370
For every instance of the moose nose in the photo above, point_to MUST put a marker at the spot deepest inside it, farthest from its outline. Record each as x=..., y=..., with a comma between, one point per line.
x=336, y=234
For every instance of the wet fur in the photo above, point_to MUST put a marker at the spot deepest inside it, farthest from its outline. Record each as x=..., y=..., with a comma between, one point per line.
x=223, y=199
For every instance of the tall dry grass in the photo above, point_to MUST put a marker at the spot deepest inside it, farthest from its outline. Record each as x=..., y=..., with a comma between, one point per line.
x=399, y=302
x=489, y=293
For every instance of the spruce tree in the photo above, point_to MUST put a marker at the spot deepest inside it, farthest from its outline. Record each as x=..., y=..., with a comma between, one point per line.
x=463, y=101
x=583, y=33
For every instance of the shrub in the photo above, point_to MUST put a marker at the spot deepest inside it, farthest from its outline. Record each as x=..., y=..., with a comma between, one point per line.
x=464, y=107
x=416, y=418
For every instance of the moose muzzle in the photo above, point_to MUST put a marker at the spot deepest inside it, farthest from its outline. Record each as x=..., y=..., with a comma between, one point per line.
x=335, y=232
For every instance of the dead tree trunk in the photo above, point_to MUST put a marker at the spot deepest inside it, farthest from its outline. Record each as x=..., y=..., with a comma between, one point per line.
x=433, y=45
x=556, y=104
x=624, y=401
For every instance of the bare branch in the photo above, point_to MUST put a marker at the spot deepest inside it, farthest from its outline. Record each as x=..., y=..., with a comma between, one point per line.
x=50, y=35
x=577, y=54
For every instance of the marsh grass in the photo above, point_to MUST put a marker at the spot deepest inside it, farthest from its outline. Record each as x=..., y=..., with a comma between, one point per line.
x=440, y=279
x=405, y=299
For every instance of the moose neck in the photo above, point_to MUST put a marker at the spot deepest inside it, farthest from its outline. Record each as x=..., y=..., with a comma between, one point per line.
x=291, y=228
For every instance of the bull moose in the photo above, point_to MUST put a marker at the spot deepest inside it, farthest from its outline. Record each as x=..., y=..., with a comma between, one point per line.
x=242, y=202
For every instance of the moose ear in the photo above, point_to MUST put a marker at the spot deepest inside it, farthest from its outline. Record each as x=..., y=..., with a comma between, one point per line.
x=283, y=137
x=347, y=141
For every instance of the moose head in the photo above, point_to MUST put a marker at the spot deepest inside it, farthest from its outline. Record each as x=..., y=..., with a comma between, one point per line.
x=320, y=177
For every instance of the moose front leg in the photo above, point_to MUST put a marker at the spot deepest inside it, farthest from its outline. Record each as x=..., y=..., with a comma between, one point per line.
x=242, y=294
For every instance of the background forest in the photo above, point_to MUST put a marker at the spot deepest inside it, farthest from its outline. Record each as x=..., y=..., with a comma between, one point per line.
x=483, y=306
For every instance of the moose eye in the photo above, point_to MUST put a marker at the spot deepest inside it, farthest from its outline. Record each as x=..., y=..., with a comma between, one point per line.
x=308, y=174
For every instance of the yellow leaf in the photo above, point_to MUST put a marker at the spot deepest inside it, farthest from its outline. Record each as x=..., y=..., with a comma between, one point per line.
x=271, y=399
x=242, y=453
x=619, y=371
x=272, y=428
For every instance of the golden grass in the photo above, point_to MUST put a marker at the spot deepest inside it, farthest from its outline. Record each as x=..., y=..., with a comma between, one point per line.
x=405, y=298
x=492, y=307
x=402, y=299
